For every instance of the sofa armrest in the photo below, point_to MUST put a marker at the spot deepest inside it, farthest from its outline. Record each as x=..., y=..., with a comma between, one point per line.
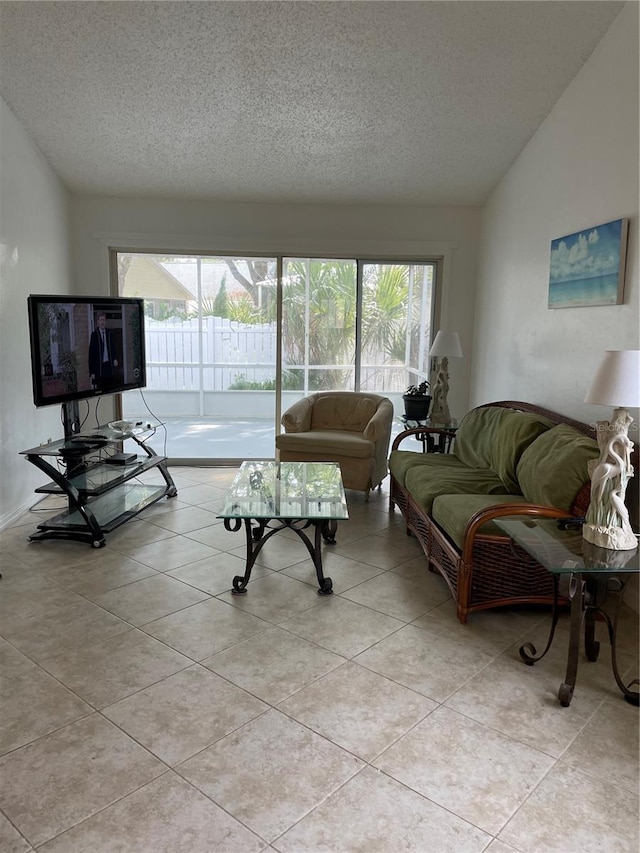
x=500, y=510
x=297, y=418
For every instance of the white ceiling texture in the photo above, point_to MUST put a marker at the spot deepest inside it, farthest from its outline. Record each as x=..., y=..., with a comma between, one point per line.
x=349, y=102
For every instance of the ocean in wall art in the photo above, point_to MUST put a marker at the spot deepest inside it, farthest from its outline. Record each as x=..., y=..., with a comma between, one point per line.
x=587, y=268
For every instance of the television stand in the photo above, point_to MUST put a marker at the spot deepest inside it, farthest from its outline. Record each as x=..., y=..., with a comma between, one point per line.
x=100, y=496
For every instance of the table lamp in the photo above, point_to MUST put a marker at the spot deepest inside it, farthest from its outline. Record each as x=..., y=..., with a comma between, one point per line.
x=445, y=345
x=616, y=383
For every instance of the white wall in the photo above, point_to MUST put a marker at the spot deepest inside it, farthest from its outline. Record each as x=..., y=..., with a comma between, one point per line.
x=34, y=258
x=329, y=230
x=580, y=169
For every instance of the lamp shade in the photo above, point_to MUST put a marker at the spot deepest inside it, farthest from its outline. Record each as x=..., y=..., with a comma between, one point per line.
x=446, y=344
x=617, y=380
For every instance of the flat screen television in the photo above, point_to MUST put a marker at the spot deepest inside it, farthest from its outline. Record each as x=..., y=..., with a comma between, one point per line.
x=85, y=346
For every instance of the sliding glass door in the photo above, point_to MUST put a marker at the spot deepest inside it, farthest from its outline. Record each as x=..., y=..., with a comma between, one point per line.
x=213, y=341
x=210, y=338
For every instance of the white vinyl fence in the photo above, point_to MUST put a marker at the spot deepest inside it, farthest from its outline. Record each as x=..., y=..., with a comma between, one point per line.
x=229, y=351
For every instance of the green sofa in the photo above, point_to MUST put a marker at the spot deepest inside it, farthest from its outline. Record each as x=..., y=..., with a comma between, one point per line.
x=508, y=458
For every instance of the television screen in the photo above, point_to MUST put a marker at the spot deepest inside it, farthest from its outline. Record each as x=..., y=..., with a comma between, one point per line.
x=85, y=346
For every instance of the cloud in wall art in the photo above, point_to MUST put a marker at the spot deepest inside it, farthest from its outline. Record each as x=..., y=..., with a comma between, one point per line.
x=587, y=268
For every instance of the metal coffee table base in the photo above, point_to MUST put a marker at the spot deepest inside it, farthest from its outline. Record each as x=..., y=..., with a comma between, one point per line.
x=260, y=530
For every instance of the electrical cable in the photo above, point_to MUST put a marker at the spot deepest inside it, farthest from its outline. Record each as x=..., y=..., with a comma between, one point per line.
x=160, y=423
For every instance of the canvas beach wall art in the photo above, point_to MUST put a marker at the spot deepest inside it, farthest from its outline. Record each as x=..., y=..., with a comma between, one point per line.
x=587, y=268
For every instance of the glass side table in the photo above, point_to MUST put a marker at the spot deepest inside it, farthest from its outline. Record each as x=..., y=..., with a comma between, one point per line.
x=595, y=576
x=437, y=438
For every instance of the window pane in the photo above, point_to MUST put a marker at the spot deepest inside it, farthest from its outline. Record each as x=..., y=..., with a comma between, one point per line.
x=397, y=306
x=318, y=330
x=210, y=339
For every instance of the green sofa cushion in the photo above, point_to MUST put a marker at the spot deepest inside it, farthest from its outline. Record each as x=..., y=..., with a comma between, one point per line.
x=425, y=483
x=452, y=512
x=402, y=461
x=495, y=438
x=553, y=469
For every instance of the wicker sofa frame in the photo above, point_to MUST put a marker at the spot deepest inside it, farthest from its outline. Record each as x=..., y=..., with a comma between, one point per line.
x=490, y=571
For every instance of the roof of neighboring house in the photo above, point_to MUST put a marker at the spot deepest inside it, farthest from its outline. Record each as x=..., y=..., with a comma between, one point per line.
x=211, y=274
x=149, y=279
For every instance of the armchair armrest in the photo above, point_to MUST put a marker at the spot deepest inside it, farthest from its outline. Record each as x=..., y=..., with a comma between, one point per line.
x=297, y=418
x=379, y=426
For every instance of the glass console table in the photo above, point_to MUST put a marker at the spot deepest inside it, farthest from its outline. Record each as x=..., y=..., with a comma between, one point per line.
x=273, y=496
x=595, y=576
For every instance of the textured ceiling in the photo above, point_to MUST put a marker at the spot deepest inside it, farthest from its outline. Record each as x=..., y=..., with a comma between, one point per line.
x=385, y=102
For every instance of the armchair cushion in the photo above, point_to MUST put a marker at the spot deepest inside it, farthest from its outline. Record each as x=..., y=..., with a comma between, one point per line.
x=338, y=412
x=327, y=441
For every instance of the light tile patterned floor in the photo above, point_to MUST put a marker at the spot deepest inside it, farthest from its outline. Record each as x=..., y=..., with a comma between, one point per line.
x=145, y=708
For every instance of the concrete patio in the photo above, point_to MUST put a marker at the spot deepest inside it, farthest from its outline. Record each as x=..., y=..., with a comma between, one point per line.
x=218, y=441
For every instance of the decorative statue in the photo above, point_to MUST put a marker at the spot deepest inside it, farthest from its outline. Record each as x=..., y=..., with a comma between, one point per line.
x=440, y=406
x=607, y=523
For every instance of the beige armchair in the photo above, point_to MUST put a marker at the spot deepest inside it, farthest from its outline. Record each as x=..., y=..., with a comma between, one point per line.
x=351, y=428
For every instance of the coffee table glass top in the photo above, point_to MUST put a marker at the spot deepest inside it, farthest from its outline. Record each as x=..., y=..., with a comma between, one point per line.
x=309, y=490
x=564, y=551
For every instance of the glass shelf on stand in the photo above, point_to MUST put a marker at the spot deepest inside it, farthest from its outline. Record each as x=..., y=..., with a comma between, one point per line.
x=438, y=439
x=94, y=478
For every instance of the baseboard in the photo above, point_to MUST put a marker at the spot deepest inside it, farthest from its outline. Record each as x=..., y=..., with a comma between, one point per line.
x=7, y=518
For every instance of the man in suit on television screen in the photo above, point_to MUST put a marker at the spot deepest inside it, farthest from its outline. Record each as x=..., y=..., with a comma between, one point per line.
x=103, y=359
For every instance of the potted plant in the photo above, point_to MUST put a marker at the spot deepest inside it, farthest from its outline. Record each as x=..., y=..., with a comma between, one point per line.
x=416, y=402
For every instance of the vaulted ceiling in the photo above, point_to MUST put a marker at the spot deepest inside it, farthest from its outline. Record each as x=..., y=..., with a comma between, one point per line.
x=348, y=102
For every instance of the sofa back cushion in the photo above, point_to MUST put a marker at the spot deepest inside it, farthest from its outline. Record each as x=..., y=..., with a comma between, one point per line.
x=494, y=437
x=344, y=411
x=401, y=461
x=553, y=469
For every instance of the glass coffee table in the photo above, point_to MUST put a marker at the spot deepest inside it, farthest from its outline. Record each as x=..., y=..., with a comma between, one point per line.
x=595, y=575
x=271, y=496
